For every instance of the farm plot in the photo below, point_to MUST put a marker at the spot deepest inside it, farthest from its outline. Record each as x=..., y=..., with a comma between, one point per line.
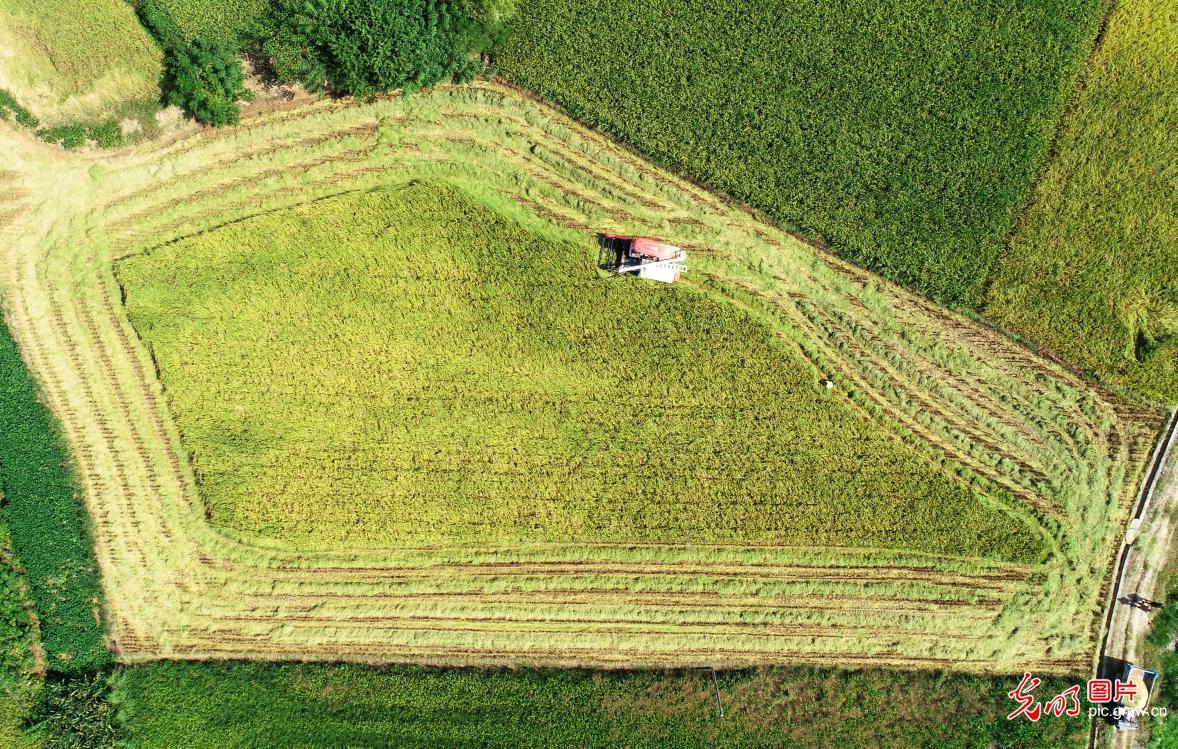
x=303, y=705
x=407, y=368
x=904, y=133
x=66, y=63
x=1054, y=453
x=1098, y=249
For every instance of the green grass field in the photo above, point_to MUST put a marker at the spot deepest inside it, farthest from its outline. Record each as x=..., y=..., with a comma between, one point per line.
x=1093, y=270
x=68, y=61
x=409, y=368
x=245, y=705
x=906, y=133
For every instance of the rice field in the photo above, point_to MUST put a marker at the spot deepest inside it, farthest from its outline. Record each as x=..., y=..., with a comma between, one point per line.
x=407, y=368
x=1097, y=250
x=1054, y=453
x=905, y=134
x=67, y=63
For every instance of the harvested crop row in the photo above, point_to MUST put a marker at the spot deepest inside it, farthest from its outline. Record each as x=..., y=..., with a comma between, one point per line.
x=178, y=587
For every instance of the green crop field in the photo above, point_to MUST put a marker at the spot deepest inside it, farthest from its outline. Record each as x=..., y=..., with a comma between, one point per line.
x=409, y=368
x=67, y=63
x=47, y=522
x=275, y=707
x=325, y=429
x=905, y=134
x=1098, y=250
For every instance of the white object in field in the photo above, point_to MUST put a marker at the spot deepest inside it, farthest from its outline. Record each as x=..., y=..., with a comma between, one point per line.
x=666, y=271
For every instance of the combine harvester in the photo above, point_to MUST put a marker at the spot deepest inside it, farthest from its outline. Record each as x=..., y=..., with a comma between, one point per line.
x=648, y=258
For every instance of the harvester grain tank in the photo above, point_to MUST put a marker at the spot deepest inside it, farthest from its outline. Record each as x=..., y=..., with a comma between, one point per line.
x=1130, y=707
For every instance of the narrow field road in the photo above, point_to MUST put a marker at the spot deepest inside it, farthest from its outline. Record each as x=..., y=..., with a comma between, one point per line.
x=1145, y=552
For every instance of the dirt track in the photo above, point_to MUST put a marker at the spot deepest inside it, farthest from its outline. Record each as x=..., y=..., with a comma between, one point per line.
x=1144, y=571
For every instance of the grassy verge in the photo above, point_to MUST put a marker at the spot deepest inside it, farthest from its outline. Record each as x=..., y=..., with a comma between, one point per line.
x=47, y=522
x=258, y=705
x=906, y=134
x=1097, y=251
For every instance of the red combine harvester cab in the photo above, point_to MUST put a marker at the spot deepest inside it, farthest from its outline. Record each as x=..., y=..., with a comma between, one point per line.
x=647, y=258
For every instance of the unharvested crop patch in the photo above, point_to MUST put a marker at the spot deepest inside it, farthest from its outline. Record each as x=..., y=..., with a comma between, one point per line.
x=1019, y=435
x=408, y=368
x=1098, y=249
x=905, y=133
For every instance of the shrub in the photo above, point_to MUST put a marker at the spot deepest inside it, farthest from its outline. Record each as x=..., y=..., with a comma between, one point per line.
x=106, y=134
x=369, y=46
x=10, y=107
x=68, y=136
x=207, y=81
x=159, y=22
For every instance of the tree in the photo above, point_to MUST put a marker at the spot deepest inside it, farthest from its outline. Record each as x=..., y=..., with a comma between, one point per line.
x=207, y=81
x=363, y=47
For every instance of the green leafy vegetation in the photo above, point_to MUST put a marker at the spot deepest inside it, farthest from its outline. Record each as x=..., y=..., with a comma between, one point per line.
x=47, y=523
x=10, y=107
x=906, y=134
x=18, y=680
x=1093, y=271
x=206, y=79
x=68, y=137
x=107, y=134
x=440, y=375
x=276, y=706
x=368, y=46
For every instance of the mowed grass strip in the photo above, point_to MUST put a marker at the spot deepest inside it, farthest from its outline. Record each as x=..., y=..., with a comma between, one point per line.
x=1098, y=250
x=408, y=368
x=904, y=133
x=66, y=60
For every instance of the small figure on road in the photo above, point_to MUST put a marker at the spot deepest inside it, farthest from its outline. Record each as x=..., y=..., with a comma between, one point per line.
x=1139, y=602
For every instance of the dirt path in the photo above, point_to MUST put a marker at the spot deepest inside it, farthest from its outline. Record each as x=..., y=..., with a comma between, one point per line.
x=1147, y=550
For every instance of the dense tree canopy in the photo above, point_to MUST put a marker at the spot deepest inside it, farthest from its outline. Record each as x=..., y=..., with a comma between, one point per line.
x=207, y=80
x=363, y=47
